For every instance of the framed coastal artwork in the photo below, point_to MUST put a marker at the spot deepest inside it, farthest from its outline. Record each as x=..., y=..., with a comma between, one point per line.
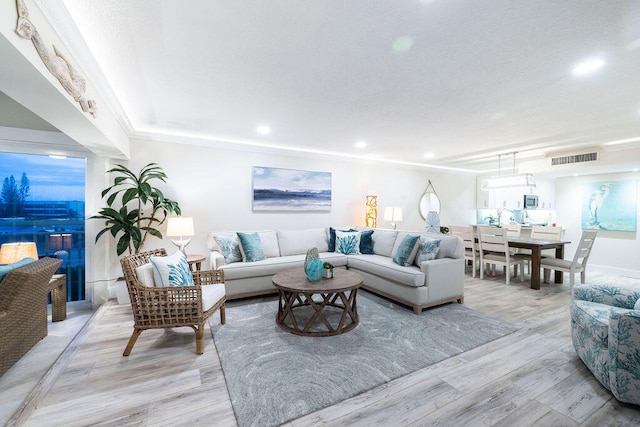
x=277, y=189
x=610, y=205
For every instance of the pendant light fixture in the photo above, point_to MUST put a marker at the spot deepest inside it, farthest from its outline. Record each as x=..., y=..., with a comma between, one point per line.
x=513, y=180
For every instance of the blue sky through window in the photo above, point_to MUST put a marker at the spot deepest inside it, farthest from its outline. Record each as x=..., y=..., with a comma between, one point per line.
x=49, y=179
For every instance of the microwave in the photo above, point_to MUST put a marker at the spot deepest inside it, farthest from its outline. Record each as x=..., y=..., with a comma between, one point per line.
x=530, y=201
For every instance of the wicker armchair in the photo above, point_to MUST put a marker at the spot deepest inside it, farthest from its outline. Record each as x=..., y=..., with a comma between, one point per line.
x=169, y=307
x=23, y=309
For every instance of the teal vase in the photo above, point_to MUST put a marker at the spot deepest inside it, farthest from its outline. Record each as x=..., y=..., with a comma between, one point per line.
x=314, y=269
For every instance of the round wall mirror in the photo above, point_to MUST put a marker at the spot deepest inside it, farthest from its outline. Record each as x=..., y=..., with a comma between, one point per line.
x=429, y=201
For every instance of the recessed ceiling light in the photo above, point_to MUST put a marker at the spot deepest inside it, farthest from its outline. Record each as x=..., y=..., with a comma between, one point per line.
x=587, y=67
x=361, y=144
x=263, y=130
x=429, y=155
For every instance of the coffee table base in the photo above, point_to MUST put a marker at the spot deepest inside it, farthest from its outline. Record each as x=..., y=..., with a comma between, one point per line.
x=293, y=312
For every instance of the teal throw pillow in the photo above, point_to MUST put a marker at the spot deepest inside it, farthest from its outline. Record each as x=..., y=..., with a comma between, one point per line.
x=5, y=269
x=366, y=242
x=348, y=243
x=405, y=254
x=427, y=249
x=229, y=247
x=171, y=270
x=251, y=247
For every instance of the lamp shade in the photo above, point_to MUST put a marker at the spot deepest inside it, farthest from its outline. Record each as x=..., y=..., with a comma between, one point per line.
x=14, y=252
x=179, y=226
x=393, y=214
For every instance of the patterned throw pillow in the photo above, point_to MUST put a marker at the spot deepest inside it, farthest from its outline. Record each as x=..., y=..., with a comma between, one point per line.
x=229, y=247
x=171, y=270
x=427, y=249
x=348, y=243
x=251, y=247
x=405, y=254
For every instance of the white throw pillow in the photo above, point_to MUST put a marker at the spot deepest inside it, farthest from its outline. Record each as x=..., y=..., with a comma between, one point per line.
x=145, y=275
x=171, y=270
x=348, y=243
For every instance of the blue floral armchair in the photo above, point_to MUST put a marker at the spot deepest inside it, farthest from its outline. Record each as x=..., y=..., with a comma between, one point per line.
x=605, y=330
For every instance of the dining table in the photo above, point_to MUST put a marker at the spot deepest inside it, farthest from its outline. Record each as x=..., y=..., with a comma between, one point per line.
x=536, y=246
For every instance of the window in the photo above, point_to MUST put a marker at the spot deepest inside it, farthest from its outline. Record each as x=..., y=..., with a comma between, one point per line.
x=42, y=201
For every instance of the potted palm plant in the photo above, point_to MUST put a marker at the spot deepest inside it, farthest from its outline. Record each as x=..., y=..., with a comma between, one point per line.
x=143, y=207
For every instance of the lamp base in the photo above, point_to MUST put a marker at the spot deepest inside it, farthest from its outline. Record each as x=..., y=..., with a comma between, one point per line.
x=181, y=244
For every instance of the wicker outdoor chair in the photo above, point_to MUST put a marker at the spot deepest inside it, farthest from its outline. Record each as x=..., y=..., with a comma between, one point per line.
x=170, y=307
x=23, y=309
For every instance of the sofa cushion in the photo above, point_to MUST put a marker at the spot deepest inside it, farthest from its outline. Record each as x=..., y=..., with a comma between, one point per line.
x=171, y=270
x=269, y=240
x=229, y=247
x=5, y=269
x=405, y=249
x=384, y=267
x=251, y=247
x=271, y=266
x=383, y=241
x=428, y=249
x=296, y=242
x=348, y=242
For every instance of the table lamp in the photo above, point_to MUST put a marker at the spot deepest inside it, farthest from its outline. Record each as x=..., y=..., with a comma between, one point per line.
x=180, y=226
x=393, y=214
x=14, y=252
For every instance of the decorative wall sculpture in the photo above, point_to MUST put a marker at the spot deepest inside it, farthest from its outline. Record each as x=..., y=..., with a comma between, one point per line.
x=371, y=219
x=55, y=62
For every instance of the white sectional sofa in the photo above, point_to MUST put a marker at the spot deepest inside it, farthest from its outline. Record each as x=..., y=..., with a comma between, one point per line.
x=432, y=282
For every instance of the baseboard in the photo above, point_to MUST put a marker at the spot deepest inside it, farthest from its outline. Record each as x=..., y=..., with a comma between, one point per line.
x=603, y=269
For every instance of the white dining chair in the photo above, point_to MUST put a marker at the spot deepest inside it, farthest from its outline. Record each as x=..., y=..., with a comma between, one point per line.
x=577, y=265
x=544, y=232
x=471, y=252
x=494, y=250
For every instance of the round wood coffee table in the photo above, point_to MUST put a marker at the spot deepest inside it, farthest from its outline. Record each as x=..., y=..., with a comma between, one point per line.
x=318, y=309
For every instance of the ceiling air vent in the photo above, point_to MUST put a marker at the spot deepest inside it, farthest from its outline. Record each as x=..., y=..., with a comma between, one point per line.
x=574, y=158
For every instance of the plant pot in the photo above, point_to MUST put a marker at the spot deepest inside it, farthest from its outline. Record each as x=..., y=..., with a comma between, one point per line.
x=122, y=294
x=327, y=274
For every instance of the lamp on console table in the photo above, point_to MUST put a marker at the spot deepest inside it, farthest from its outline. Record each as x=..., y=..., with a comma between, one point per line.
x=180, y=226
x=393, y=214
x=14, y=252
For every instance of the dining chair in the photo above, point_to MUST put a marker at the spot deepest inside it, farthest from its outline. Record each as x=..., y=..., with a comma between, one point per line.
x=544, y=232
x=494, y=250
x=577, y=265
x=157, y=307
x=471, y=252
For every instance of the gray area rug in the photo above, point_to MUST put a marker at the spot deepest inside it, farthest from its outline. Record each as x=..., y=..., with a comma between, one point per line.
x=274, y=376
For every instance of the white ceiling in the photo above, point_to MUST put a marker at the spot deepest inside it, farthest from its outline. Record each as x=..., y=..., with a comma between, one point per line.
x=466, y=80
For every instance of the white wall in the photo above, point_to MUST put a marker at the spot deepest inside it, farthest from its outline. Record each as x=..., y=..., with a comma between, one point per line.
x=614, y=252
x=213, y=186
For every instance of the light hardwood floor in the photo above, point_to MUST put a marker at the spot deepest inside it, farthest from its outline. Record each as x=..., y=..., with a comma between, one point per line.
x=530, y=377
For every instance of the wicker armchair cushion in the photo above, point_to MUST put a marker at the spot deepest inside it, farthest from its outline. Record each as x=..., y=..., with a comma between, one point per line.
x=5, y=269
x=171, y=270
x=144, y=273
x=211, y=294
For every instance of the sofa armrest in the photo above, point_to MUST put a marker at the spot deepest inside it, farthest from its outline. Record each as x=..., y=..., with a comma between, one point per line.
x=216, y=260
x=624, y=354
x=617, y=296
x=444, y=277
